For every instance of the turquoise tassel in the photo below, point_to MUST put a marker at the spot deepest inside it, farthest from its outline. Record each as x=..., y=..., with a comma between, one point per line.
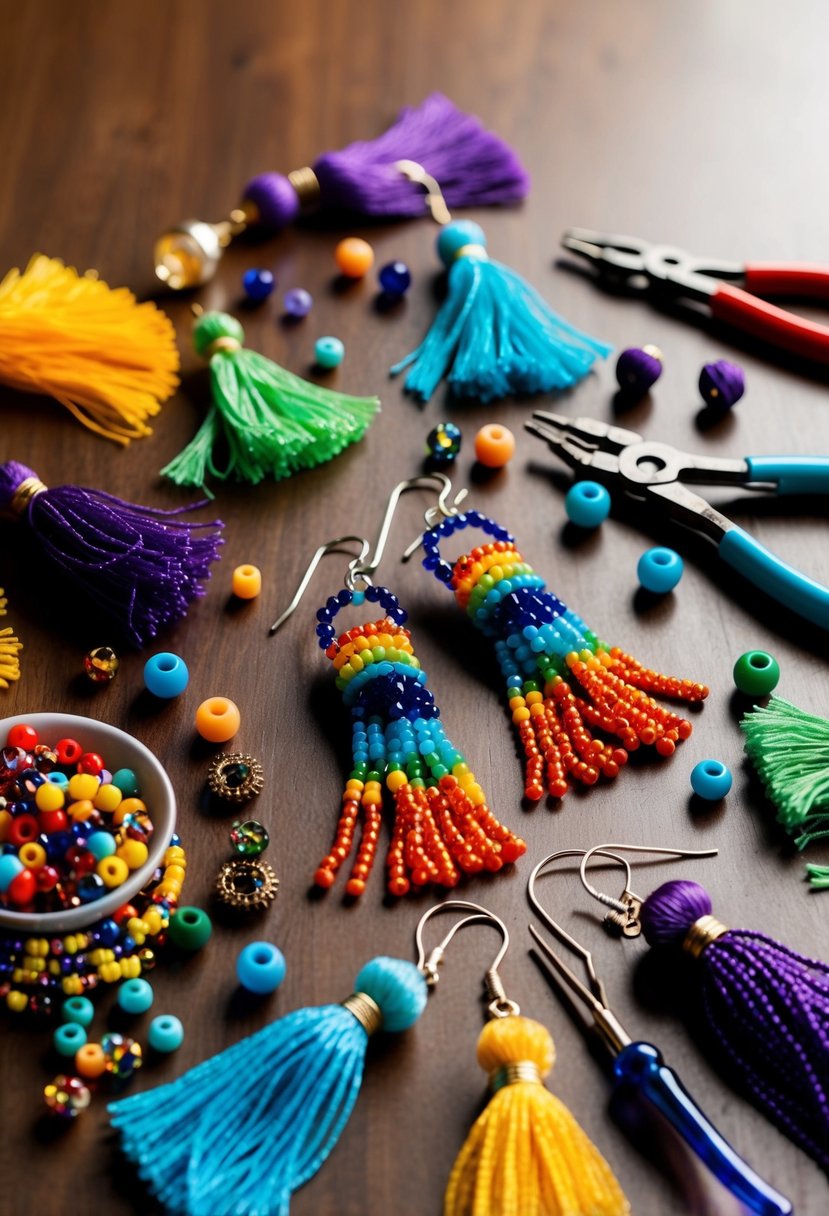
x=238, y=1134
x=494, y=335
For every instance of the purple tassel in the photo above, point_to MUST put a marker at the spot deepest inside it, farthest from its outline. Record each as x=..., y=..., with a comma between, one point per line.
x=767, y=1006
x=473, y=168
x=138, y=565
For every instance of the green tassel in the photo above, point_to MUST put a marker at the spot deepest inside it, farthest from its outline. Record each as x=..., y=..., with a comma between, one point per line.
x=790, y=750
x=272, y=422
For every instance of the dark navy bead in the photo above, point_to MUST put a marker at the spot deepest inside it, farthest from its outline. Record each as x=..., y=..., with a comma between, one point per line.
x=343, y=597
x=444, y=572
x=258, y=284
x=372, y=594
x=108, y=932
x=395, y=278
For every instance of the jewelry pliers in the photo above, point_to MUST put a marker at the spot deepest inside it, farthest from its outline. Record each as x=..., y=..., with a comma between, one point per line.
x=656, y=472
x=731, y=290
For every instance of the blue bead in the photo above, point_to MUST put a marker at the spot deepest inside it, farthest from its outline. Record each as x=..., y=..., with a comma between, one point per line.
x=10, y=867
x=260, y=967
x=102, y=844
x=135, y=996
x=68, y=1038
x=659, y=570
x=455, y=235
x=58, y=778
x=298, y=303
x=165, y=1033
x=90, y=888
x=109, y=932
x=258, y=284
x=166, y=675
x=328, y=352
x=711, y=780
x=395, y=278
x=78, y=1009
x=587, y=504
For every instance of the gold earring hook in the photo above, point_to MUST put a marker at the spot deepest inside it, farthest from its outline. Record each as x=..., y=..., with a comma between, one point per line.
x=353, y=572
x=434, y=196
x=624, y=914
x=500, y=1006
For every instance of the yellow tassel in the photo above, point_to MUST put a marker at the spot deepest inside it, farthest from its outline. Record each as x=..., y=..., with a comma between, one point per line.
x=526, y=1155
x=10, y=648
x=110, y=360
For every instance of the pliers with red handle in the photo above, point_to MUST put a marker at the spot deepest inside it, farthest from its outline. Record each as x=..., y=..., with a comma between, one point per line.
x=731, y=291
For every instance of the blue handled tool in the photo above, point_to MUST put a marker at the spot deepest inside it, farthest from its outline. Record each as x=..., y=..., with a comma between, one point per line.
x=640, y=1065
x=647, y=470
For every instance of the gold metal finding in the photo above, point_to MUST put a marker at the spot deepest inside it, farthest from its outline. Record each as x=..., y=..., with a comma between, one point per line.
x=367, y=1012
x=702, y=932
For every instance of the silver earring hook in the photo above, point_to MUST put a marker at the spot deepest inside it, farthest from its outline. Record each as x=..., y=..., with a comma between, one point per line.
x=629, y=906
x=440, y=510
x=352, y=574
x=500, y=1006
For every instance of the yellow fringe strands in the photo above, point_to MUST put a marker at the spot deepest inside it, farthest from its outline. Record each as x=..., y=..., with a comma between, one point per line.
x=526, y=1155
x=10, y=648
x=108, y=359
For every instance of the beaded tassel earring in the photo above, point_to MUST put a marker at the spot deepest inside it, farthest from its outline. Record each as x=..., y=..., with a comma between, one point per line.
x=443, y=826
x=562, y=681
x=525, y=1153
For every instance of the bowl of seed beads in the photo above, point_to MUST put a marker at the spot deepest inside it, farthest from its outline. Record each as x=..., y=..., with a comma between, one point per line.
x=86, y=816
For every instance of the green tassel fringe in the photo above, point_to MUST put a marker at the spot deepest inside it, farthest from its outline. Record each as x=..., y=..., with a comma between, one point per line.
x=790, y=750
x=272, y=422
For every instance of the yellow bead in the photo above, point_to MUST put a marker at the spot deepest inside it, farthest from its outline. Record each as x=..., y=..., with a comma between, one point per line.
x=520, y=715
x=130, y=967
x=127, y=806
x=33, y=855
x=37, y=945
x=49, y=797
x=113, y=870
x=71, y=944
x=83, y=785
x=107, y=798
x=5, y=824
x=532, y=698
x=247, y=582
x=110, y=973
x=72, y=985
x=16, y=1001
x=396, y=779
x=133, y=852
x=458, y=770
x=81, y=809
x=154, y=921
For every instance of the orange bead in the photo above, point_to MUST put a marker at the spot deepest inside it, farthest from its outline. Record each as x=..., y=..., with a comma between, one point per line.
x=494, y=445
x=355, y=886
x=247, y=582
x=354, y=257
x=90, y=1060
x=324, y=878
x=217, y=719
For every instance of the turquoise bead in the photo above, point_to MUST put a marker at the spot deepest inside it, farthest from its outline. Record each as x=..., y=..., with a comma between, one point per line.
x=78, y=1009
x=68, y=1038
x=457, y=234
x=711, y=780
x=587, y=504
x=126, y=781
x=659, y=570
x=102, y=844
x=260, y=967
x=58, y=778
x=135, y=996
x=328, y=352
x=165, y=1033
x=756, y=673
x=166, y=675
x=10, y=867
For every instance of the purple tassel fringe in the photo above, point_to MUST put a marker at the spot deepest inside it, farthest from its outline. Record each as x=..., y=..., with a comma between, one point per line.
x=768, y=1007
x=472, y=166
x=139, y=565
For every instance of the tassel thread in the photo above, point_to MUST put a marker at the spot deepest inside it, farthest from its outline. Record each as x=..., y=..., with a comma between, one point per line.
x=10, y=647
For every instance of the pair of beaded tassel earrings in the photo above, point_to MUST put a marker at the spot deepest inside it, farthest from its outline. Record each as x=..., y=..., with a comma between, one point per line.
x=563, y=683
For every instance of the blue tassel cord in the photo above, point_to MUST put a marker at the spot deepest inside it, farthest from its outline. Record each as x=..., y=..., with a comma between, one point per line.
x=494, y=335
x=239, y=1133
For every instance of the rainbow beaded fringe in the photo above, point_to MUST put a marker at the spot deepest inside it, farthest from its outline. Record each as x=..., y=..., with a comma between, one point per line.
x=562, y=681
x=442, y=824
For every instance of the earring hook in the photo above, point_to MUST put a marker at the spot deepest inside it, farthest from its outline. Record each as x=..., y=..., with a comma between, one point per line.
x=500, y=1006
x=434, y=196
x=352, y=574
x=624, y=914
x=441, y=510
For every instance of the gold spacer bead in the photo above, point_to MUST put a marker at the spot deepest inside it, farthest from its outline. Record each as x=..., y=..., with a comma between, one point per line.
x=365, y=1010
x=702, y=932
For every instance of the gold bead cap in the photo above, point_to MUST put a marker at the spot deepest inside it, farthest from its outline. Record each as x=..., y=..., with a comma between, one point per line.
x=702, y=932
x=511, y=1074
x=367, y=1012
x=23, y=495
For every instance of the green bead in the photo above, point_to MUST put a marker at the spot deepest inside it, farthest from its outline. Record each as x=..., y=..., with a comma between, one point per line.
x=374, y=775
x=126, y=781
x=190, y=928
x=438, y=771
x=249, y=838
x=213, y=325
x=513, y=692
x=756, y=673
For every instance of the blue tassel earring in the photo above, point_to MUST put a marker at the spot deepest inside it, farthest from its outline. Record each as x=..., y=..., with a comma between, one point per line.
x=494, y=335
x=288, y=1091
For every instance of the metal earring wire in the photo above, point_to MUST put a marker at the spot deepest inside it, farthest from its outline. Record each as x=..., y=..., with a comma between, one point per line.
x=351, y=577
x=500, y=1005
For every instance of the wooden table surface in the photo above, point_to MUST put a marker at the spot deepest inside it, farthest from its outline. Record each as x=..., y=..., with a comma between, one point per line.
x=700, y=124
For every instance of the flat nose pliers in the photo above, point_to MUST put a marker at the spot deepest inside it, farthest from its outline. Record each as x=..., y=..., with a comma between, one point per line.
x=731, y=291
x=657, y=472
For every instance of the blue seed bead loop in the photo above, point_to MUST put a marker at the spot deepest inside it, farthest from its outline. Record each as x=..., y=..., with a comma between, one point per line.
x=587, y=504
x=165, y=1033
x=135, y=996
x=78, y=1009
x=166, y=675
x=68, y=1038
x=455, y=523
x=260, y=967
x=711, y=780
x=659, y=570
x=258, y=284
x=328, y=352
x=395, y=278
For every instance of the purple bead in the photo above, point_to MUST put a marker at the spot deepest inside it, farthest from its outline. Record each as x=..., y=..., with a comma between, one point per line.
x=722, y=384
x=274, y=198
x=395, y=278
x=258, y=284
x=298, y=303
x=637, y=369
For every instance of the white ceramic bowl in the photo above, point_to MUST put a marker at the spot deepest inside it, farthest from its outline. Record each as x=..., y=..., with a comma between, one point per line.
x=119, y=750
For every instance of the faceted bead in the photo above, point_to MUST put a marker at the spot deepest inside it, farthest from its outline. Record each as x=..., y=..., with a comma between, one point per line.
x=249, y=838
x=66, y=1097
x=101, y=664
x=443, y=443
x=123, y=1056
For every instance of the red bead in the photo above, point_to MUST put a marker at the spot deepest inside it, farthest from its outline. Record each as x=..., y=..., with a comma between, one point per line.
x=22, y=889
x=124, y=913
x=68, y=751
x=81, y=860
x=47, y=878
x=52, y=821
x=92, y=763
x=22, y=829
x=23, y=736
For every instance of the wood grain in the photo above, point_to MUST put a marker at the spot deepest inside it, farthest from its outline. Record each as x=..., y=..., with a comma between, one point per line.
x=700, y=124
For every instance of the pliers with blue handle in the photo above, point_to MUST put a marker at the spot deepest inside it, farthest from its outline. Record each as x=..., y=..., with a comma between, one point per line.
x=730, y=290
x=647, y=470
